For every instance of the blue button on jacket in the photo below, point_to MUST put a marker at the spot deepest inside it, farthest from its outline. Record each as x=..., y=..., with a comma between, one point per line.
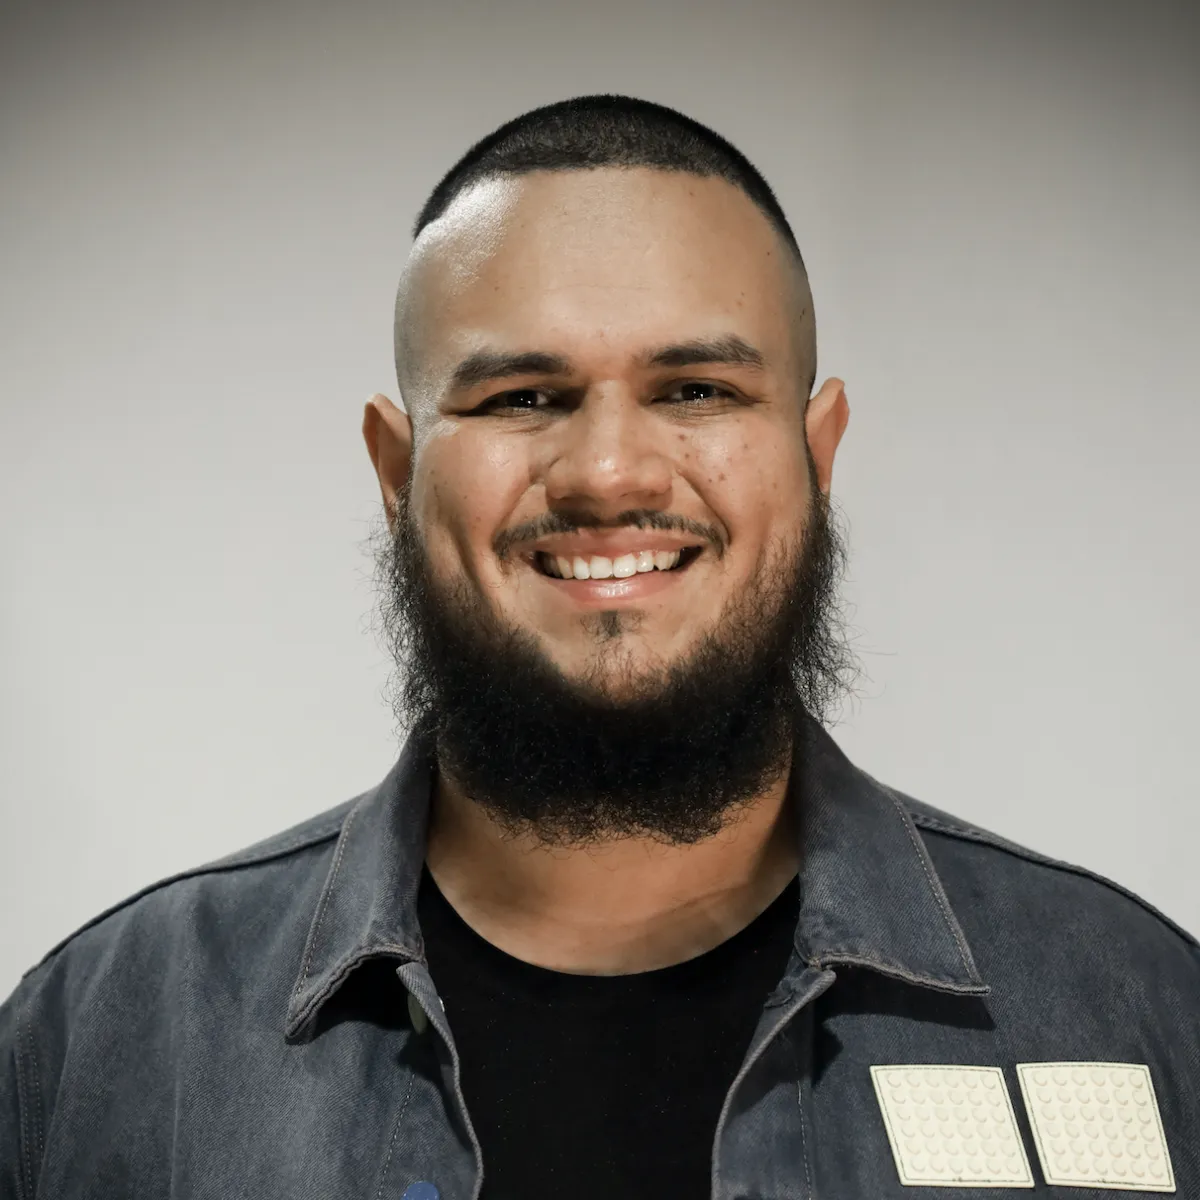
x=253, y=1028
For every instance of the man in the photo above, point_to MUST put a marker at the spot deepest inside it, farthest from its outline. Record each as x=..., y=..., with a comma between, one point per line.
x=622, y=921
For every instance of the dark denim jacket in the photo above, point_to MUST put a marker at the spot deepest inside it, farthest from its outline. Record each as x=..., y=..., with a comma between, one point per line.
x=266, y=1026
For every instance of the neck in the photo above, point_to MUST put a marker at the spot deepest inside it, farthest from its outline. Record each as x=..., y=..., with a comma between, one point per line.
x=615, y=908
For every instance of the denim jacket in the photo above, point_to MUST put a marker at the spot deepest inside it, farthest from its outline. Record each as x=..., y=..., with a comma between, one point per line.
x=957, y=1011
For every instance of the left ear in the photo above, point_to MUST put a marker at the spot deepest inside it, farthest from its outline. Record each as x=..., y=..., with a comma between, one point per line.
x=824, y=423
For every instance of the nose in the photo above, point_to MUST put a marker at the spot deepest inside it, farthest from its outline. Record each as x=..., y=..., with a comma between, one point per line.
x=609, y=455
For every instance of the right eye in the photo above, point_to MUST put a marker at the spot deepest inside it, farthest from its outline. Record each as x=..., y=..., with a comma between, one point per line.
x=518, y=400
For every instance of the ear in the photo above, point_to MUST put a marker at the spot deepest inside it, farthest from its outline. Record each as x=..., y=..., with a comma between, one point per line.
x=824, y=423
x=387, y=430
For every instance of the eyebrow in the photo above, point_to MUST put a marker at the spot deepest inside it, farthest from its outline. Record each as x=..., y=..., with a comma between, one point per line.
x=726, y=350
x=486, y=365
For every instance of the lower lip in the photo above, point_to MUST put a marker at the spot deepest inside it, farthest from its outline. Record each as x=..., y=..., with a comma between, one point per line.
x=605, y=593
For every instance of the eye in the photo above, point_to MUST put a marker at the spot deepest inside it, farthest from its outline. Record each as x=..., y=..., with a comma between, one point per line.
x=518, y=400
x=698, y=393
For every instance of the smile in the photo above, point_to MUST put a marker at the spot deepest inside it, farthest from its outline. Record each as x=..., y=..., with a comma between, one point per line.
x=625, y=566
x=597, y=581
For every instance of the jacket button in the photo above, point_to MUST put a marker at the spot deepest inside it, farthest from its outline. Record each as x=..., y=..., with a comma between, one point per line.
x=421, y=1190
x=420, y=1022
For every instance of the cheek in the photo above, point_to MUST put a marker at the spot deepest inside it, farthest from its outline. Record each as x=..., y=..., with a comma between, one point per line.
x=756, y=482
x=463, y=490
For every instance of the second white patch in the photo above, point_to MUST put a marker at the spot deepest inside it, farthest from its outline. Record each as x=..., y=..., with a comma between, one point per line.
x=1097, y=1124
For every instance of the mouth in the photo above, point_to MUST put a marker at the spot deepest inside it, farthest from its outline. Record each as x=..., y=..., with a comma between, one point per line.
x=599, y=582
x=625, y=566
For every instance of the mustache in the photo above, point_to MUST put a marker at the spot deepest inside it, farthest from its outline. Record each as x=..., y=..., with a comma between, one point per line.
x=638, y=518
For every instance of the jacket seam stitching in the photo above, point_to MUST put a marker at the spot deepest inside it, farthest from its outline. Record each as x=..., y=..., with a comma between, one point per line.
x=979, y=835
x=387, y=1162
x=268, y=854
x=244, y=858
x=336, y=975
x=36, y=1114
x=942, y=903
x=25, y=1103
x=337, y=866
x=982, y=837
x=835, y=957
x=801, y=1116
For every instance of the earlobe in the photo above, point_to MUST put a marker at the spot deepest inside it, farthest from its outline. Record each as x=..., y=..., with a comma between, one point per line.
x=825, y=422
x=387, y=432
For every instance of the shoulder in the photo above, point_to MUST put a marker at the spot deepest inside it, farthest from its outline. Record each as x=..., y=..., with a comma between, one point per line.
x=996, y=884
x=288, y=863
x=168, y=972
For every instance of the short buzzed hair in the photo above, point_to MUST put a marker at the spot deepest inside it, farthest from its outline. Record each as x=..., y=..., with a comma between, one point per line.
x=605, y=131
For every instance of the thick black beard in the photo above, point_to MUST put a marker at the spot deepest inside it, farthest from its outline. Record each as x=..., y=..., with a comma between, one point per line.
x=673, y=757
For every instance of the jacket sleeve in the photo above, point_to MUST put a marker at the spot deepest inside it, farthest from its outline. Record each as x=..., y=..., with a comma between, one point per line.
x=17, y=1089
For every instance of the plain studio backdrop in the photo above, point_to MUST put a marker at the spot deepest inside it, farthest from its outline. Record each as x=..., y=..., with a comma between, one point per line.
x=205, y=207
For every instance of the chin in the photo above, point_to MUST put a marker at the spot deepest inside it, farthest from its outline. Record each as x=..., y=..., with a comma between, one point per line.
x=614, y=671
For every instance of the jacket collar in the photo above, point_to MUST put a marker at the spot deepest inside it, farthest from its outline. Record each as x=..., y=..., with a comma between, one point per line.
x=368, y=907
x=870, y=896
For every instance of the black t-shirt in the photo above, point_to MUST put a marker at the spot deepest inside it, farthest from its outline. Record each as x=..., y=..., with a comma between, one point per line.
x=583, y=1086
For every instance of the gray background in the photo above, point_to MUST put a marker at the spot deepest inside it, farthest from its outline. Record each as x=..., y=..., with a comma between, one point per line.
x=204, y=211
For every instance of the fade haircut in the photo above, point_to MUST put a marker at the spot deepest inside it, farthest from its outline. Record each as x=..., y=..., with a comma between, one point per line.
x=605, y=131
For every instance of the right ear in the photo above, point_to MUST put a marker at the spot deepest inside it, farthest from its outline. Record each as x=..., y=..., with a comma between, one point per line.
x=387, y=430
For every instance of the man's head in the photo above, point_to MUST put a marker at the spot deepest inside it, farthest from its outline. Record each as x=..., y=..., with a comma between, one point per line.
x=606, y=352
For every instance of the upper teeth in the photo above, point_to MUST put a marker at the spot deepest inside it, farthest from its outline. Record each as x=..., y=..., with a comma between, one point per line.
x=599, y=567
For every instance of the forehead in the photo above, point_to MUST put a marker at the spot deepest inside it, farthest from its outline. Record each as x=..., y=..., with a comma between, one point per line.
x=615, y=258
